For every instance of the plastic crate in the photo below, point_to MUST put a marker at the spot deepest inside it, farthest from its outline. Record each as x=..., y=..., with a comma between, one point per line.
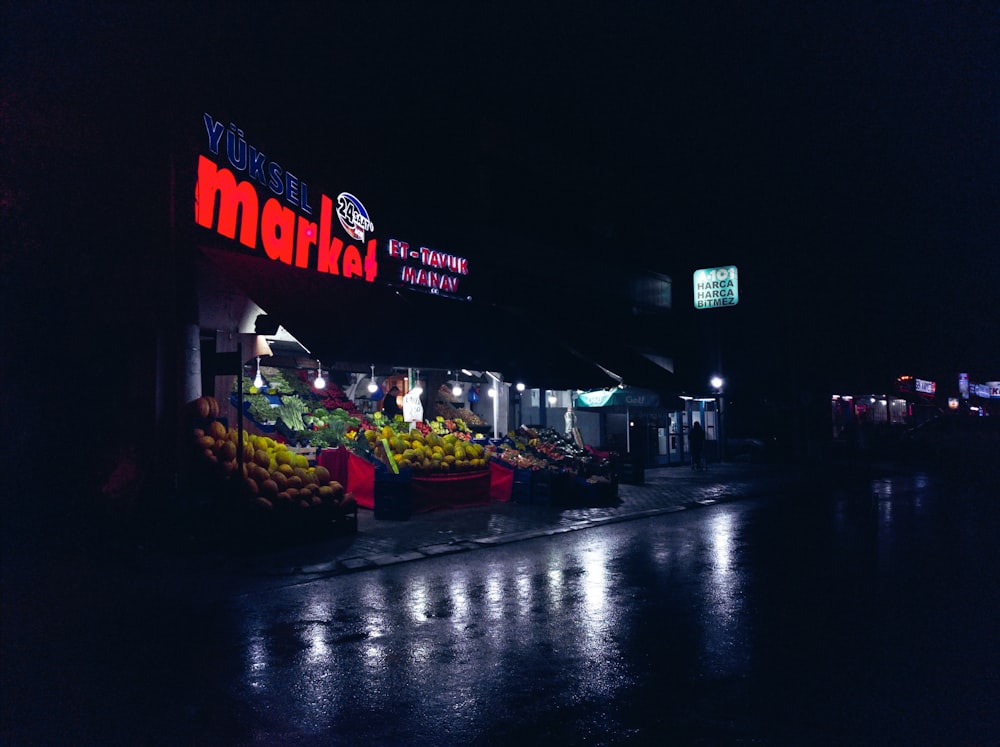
x=521, y=488
x=520, y=492
x=393, y=496
x=541, y=487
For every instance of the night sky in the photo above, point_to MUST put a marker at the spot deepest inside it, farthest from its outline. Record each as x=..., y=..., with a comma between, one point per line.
x=843, y=155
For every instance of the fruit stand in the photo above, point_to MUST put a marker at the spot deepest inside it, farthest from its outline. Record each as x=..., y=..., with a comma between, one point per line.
x=552, y=469
x=262, y=488
x=307, y=460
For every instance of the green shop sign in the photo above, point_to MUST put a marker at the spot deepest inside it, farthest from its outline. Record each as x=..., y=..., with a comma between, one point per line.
x=716, y=286
x=627, y=397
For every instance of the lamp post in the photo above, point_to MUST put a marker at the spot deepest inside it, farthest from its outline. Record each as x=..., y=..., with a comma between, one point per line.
x=717, y=383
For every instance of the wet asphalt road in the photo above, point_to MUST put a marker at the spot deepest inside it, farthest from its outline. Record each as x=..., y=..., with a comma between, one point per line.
x=864, y=613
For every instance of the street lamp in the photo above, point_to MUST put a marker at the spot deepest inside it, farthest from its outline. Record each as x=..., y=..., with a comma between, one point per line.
x=717, y=382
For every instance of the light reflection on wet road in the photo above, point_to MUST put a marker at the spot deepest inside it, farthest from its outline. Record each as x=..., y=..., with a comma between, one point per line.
x=861, y=616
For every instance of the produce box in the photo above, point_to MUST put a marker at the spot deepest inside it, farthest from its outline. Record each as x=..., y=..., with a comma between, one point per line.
x=551, y=488
x=309, y=452
x=393, y=495
x=541, y=487
x=520, y=491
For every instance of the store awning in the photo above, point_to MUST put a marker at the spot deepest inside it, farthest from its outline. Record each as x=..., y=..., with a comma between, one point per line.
x=350, y=320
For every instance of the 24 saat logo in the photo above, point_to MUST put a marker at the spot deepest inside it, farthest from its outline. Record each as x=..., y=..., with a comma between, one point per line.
x=353, y=216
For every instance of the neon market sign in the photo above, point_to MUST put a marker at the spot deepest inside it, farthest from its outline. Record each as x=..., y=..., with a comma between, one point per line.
x=715, y=287
x=242, y=195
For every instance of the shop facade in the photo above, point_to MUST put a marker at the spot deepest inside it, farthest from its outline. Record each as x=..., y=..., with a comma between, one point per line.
x=292, y=293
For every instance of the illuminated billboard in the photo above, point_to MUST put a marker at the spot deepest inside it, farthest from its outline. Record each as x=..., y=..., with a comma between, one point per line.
x=715, y=287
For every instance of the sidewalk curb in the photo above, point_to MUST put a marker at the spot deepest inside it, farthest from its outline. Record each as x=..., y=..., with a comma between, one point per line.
x=366, y=563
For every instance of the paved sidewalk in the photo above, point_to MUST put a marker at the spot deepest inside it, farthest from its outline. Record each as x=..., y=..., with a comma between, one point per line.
x=381, y=542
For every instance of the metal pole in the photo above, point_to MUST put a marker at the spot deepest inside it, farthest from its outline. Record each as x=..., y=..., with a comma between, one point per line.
x=239, y=411
x=722, y=442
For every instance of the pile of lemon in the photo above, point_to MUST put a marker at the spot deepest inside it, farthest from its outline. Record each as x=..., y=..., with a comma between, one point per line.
x=428, y=453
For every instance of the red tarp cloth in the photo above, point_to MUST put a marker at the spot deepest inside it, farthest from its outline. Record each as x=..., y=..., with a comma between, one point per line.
x=451, y=491
x=501, y=482
x=361, y=480
x=335, y=460
x=429, y=493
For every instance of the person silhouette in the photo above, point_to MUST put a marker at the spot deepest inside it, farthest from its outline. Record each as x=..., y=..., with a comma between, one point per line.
x=696, y=438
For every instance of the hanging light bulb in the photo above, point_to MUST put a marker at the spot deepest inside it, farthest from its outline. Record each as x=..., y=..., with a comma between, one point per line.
x=456, y=390
x=319, y=382
x=520, y=386
x=417, y=389
x=372, y=386
x=258, y=380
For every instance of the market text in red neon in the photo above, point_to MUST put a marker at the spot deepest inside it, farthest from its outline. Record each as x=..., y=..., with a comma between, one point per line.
x=232, y=207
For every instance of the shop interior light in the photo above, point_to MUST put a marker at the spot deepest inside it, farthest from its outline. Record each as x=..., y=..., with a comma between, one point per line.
x=258, y=380
x=492, y=391
x=552, y=397
x=372, y=385
x=319, y=382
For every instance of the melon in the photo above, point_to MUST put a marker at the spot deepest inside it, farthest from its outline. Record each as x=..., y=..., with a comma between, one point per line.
x=199, y=407
x=228, y=452
x=322, y=475
x=213, y=406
